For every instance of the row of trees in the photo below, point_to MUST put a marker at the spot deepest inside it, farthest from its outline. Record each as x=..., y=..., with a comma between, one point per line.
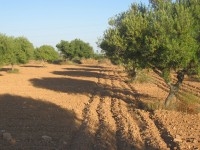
x=19, y=50
x=164, y=36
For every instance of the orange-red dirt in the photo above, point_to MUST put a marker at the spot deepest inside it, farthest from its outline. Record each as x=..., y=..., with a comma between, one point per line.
x=61, y=107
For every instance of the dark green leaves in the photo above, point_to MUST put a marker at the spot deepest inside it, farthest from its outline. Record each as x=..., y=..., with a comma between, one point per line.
x=75, y=48
x=46, y=53
x=15, y=50
x=164, y=35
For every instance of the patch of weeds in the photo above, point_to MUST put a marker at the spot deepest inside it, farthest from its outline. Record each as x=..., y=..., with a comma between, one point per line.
x=189, y=98
x=187, y=108
x=13, y=70
x=76, y=60
x=150, y=105
x=67, y=62
x=141, y=77
x=154, y=105
x=188, y=103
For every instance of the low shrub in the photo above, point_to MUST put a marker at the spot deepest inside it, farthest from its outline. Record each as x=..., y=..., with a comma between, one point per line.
x=13, y=70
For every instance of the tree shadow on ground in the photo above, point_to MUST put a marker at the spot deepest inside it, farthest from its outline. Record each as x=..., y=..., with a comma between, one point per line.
x=66, y=85
x=88, y=69
x=78, y=86
x=5, y=69
x=93, y=66
x=78, y=73
x=32, y=66
x=87, y=87
x=28, y=120
x=82, y=69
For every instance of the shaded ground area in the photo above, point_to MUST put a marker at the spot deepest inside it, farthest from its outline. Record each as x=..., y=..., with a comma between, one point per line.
x=28, y=120
x=83, y=107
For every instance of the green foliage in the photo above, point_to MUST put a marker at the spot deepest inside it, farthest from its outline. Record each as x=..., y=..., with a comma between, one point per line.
x=163, y=36
x=189, y=103
x=189, y=98
x=76, y=60
x=6, y=48
x=25, y=49
x=15, y=50
x=46, y=53
x=123, y=41
x=99, y=56
x=142, y=77
x=75, y=48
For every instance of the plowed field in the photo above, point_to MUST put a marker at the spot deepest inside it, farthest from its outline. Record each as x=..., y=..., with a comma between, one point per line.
x=85, y=107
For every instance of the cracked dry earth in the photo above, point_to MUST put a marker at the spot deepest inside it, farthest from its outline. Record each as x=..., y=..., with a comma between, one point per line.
x=85, y=107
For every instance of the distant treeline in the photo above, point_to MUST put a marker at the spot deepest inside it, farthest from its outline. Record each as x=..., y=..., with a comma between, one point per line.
x=19, y=50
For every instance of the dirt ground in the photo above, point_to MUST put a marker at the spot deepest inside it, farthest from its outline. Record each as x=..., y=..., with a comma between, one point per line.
x=86, y=107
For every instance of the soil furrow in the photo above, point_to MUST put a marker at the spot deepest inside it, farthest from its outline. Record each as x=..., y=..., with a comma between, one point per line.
x=87, y=106
x=120, y=136
x=150, y=132
x=133, y=130
x=125, y=139
x=165, y=134
x=104, y=135
x=84, y=138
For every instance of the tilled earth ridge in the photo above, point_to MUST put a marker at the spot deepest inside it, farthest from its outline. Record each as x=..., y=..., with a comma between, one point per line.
x=83, y=107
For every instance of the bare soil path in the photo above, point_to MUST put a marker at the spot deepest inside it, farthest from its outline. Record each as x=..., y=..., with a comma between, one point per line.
x=86, y=107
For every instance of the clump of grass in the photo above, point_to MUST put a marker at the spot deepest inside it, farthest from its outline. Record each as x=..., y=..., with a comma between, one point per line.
x=190, y=98
x=66, y=62
x=76, y=60
x=104, y=61
x=156, y=105
x=188, y=103
x=13, y=70
x=187, y=108
x=140, y=77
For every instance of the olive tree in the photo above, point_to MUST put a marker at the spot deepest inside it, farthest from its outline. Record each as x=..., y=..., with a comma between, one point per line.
x=75, y=48
x=15, y=50
x=162, y=37
x=25, y=49
x=171, y=42
x=46, y=53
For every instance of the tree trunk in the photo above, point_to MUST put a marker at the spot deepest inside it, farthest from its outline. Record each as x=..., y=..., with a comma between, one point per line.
x=43, y=63
x=12, y=67
x=172, y=94
x=174, y=88
x=133, y=74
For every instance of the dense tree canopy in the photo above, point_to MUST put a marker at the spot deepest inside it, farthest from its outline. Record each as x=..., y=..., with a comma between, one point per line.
x=25, y=49
x=163, y=36
x=15, y=50
x=46, y=53
x=75, y=48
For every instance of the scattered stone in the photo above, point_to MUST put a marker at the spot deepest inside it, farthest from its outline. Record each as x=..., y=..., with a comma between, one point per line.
x=64, y=142
x=7, y=136
x=178, y=138
x=2, y=131
x=47, y=138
